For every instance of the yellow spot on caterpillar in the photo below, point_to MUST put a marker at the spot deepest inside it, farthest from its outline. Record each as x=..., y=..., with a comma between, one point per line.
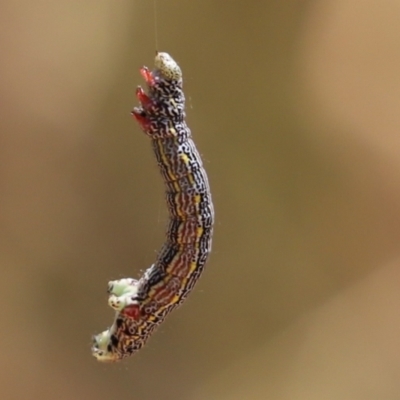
x=185, y=158
x=191, y=179
x=197, y=199
x=175, y=299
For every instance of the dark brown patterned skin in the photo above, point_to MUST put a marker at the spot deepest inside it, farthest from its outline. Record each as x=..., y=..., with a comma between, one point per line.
x=141, y=305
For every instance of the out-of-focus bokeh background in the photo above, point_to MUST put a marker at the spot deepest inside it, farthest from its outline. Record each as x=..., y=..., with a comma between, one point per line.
x=294, y=106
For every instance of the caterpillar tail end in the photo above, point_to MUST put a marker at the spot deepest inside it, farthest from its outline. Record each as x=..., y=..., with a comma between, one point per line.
x=121, y=298
x=101, y=347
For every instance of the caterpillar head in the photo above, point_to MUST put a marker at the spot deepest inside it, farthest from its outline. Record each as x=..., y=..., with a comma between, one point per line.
x=167, y=67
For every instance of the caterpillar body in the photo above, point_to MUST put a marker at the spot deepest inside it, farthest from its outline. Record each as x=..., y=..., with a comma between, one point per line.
x=141, y=305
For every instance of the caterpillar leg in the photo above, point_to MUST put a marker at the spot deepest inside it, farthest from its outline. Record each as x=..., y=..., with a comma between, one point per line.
x=122, y=298
x=122, y=293
x=101, y=347
x=141, y=113
x=143, y=98
x=147, y=76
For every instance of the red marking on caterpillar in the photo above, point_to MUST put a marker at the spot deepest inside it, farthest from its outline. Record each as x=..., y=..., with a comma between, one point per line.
x=131, y=311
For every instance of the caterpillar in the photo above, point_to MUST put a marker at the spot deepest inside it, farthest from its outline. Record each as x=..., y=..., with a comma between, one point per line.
x=142, y=305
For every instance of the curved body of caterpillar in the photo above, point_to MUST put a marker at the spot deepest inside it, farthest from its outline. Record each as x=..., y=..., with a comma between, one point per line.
x=141, y=305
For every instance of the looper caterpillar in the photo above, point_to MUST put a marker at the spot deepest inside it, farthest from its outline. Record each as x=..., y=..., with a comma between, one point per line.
x=141, y=305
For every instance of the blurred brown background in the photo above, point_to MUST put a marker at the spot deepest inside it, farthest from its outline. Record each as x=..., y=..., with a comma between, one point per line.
x=295, y=108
